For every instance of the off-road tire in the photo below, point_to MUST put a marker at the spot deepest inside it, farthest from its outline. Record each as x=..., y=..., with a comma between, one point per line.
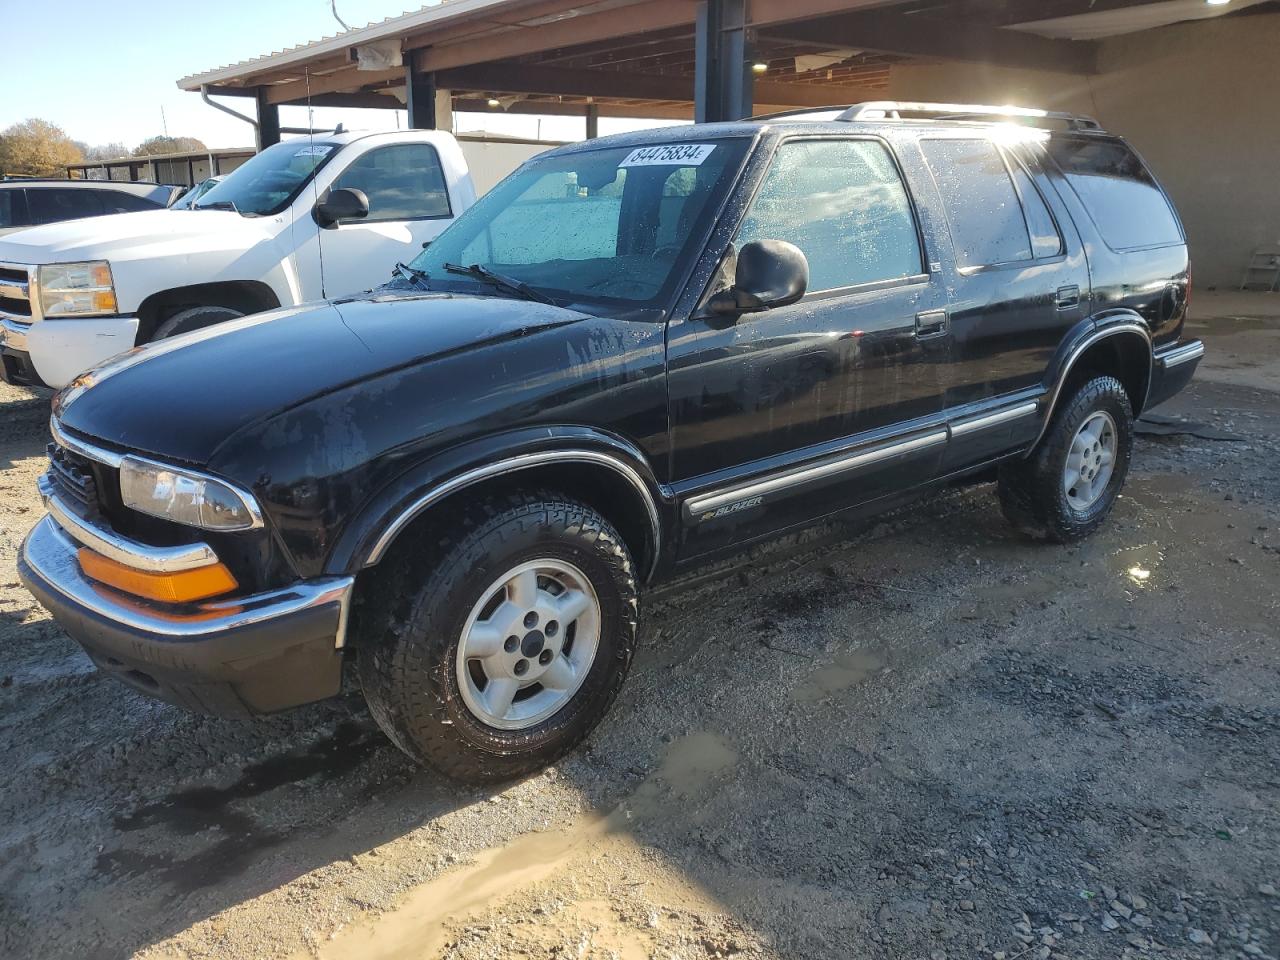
x=194, y=318
x=412, y=619
x=1031, y=490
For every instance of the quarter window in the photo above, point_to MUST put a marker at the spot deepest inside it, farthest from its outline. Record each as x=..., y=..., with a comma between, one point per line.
x=1046, y=241
x=403, y=182
x=986, y=219
x=53, y=205
x=1121, y=195
x=842, y=202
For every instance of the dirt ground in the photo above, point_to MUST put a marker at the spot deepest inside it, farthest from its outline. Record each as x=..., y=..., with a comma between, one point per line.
x=925, y=738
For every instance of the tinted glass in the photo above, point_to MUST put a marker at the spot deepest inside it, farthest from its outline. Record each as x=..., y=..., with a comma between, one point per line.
x=843, y=204
x=11, y=209
x=1046, y=241
x=113, y=202
x=54, y=205
x=267, y=183
x=402, y=182
x=1120, y=194
x=611, y=225
x=987, y=225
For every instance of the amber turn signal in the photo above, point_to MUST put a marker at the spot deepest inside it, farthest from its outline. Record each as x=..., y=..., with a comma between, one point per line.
x=181, y=587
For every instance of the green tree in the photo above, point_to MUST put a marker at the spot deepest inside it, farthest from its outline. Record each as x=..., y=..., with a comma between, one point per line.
x=37, y=148
x=157, y=145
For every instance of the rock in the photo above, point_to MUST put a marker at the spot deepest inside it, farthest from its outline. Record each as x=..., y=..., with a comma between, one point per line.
x=966, y=905
x=1108, y=893
x=1267, y=890
x=1120, y=908
x=1109, y=922
x=1137, y=902
x=1196, y=935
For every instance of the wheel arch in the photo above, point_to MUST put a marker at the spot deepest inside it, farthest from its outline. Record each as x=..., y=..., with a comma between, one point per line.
x=602, y=471
x=1117, y=344
x=247, y=296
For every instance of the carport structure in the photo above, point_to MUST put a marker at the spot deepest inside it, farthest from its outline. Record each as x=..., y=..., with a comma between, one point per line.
x=1192, y=82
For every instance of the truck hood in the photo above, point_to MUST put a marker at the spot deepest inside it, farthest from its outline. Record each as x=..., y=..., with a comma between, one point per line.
x=180, y=399
x=130, y=236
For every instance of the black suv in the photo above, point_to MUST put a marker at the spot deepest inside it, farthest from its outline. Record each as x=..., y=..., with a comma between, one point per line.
x=634, y=354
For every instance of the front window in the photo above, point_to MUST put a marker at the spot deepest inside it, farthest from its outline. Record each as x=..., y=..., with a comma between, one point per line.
x=267, y=183
x=608, y=225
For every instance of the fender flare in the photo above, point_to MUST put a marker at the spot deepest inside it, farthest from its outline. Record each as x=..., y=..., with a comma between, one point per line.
x=1112, y=323
x=365, y=541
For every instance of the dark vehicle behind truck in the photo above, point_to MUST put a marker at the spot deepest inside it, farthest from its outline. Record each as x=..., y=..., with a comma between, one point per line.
x=632, y=356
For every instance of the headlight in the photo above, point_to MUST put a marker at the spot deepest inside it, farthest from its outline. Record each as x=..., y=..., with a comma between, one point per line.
x=76, y=289
x=187, y=498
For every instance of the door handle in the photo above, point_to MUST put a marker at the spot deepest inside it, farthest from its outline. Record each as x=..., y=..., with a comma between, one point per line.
x=931, y=323
x=1068, y=297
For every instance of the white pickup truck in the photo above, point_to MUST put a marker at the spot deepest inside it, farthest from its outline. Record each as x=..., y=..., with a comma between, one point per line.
x=308, y=218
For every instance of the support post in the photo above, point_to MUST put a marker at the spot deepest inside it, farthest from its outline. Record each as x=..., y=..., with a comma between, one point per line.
x=420, y=99
x=593, y=121
x=268, y=121
x=722, y=75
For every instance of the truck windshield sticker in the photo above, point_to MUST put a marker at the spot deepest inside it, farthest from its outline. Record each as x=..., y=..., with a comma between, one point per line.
x=670, y=154
x=314, y=151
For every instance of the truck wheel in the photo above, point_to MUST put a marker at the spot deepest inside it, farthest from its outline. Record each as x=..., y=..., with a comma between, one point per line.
x=497, y=642
x=194, y=318
x=1067, y=487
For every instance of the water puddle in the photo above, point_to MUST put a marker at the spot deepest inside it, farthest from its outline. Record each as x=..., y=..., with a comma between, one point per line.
x=847, y=670
x=1227, y=326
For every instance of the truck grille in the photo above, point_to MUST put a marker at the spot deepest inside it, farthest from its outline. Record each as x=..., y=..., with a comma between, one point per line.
x=15, y=291
x=73, y=478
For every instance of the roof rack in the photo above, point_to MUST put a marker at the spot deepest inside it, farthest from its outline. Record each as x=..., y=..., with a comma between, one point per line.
x=802, y=111
x=894, y=110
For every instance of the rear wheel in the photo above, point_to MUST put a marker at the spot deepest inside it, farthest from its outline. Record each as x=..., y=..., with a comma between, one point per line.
x=1067, y=487
x=194, y=318
x=497, y=643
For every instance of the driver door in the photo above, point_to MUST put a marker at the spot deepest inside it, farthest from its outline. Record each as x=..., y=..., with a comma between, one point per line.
x=771, y=411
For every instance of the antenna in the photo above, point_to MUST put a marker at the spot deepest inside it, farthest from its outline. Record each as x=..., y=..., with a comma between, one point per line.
x=333, y=5
x=315, y=187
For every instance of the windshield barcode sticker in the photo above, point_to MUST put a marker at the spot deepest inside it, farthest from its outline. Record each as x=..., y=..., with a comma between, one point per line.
x=318, y=150
x=671, y=154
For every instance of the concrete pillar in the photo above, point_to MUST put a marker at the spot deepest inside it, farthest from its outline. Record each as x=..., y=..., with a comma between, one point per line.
x=593, y=121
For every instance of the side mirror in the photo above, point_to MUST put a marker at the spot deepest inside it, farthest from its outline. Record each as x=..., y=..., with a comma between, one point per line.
x=343, y=204
x=769, y=273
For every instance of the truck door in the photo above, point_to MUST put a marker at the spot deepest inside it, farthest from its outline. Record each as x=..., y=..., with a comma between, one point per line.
x=409, y=204
x=822, y=402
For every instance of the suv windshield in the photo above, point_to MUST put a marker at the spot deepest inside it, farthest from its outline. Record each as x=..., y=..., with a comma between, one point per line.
x=598, y=225
x=267, y=183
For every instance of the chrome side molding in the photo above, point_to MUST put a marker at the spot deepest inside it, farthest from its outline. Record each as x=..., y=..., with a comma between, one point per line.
x=994, y=419
x=1180, y=355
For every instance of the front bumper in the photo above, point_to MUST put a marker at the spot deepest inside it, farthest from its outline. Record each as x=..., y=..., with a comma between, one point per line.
x=230, y=657
x=15, y=360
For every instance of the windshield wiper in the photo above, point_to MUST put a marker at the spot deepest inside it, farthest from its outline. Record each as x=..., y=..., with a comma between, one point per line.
x=415, y=276
x=510, y=284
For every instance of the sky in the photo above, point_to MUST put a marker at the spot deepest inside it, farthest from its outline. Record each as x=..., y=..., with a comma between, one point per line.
x=105, y=76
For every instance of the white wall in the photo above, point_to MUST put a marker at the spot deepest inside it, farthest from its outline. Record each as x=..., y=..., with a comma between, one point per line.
x=1200, y=101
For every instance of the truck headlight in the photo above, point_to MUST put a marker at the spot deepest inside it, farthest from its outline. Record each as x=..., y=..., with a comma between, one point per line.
x=76, y=289
x=185, y=497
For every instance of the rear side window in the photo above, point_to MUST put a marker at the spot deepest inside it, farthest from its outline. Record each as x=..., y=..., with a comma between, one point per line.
x=1123, y=199
x=54, y=205
x=986, y=219
x=113, y=201
x=1046, y=241
x=842, y=202
x=11, y=209
x=403, y=182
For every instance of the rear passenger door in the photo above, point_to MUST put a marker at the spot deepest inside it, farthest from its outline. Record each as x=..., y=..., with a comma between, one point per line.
x=1019, y=282
x=795, y=397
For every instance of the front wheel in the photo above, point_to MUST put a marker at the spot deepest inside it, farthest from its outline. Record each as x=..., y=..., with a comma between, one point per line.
x=500, y=641
x=1067, y=487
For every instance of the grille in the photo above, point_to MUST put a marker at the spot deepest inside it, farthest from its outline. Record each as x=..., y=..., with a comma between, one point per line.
x=73, y=478
x=14, y=295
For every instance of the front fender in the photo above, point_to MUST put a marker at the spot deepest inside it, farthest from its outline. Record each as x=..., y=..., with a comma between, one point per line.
x=366, y=538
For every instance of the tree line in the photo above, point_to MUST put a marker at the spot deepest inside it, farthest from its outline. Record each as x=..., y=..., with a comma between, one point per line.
x=37, y=148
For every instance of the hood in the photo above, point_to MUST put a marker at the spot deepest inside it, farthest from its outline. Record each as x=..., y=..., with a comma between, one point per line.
x=180, y=399
x=129, y=236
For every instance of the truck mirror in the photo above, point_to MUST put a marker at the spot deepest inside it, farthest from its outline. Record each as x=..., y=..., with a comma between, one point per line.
x=769, y=273
x=345, y=203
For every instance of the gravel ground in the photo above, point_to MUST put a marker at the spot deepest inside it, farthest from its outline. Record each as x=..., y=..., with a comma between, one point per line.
x=921, y=738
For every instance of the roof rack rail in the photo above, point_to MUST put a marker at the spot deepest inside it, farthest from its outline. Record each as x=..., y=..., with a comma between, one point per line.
x=802, y=111
x=894, y=110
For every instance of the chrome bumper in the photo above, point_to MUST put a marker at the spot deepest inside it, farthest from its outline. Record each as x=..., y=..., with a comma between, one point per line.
x=1180, y=354
x=13, y=333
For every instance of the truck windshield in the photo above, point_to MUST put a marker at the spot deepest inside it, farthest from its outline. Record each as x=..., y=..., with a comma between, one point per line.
x=267, y=183
x=606, y=225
